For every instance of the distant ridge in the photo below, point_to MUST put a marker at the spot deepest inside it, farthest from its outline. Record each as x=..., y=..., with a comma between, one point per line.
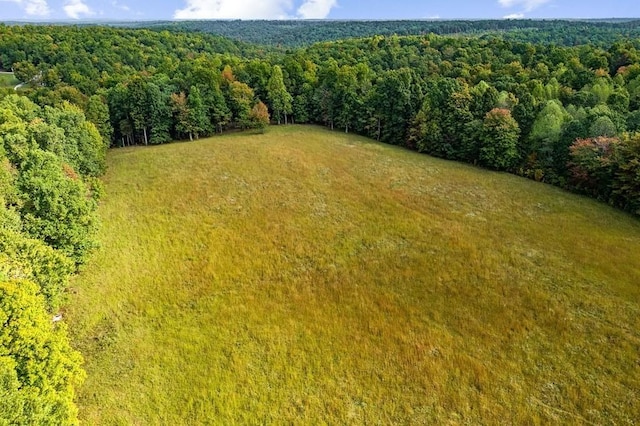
x=298, y=33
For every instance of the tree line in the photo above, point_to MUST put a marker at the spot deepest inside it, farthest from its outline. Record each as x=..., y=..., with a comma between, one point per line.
x=492, y=101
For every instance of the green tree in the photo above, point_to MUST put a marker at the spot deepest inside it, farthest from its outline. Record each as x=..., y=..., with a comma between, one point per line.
x=83, y=146
x=25, y=71
x=217, y=109
x=181, y=114
x=603, y=126
x=499, y=140
x=38, y=367
x=28, y=258
x=241, y=101
x=197, y=113
x=139, y=105
x=97, y=112
x=159, y=110
x=546, y=133
x=626, y=186
x=395, y=103
x=56, y=206
x=278, y=96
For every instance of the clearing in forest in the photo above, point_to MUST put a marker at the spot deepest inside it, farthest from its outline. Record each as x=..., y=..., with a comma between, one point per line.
x=304, y=276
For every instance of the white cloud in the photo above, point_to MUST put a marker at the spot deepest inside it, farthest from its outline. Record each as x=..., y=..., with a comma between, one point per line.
x=75, y=8
x=234, y=9
x=528, y=5
x=254, y=9
x=316, y=9
x=514, y=16
x=121, y=6
x=33, y=7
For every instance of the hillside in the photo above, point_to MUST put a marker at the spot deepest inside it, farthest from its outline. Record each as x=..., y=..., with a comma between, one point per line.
x=309, y=276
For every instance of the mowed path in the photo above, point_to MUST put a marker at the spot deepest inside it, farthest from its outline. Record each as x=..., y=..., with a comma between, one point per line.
x=310, y=277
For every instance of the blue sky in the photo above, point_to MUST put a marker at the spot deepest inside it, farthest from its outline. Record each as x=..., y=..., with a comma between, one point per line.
x=313, y=9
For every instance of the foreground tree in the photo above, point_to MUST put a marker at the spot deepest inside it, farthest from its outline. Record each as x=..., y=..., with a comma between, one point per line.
x=38, y=367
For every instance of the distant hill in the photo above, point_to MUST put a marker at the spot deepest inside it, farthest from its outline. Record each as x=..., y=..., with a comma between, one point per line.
x=300, y=33
x=295, y=33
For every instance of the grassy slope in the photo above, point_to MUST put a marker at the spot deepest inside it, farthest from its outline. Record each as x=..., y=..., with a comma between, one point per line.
x=307, y=276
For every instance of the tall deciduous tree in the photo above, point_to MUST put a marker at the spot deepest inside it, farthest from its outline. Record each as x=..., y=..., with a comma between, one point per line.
x=199, y=122
x=499, y=140
x=181, y=114
x=546, y=133
x=278, y=96
x=97, y=112
x=241, y=101
x=159, y=110
x=139, y=106
x=55, y=204
x=217, y=110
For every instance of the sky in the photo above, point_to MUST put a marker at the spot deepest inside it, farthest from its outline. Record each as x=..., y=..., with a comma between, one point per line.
x=56, y=10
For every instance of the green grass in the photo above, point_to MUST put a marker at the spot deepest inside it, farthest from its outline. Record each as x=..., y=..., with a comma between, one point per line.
x=8, y=80
x=310, y=277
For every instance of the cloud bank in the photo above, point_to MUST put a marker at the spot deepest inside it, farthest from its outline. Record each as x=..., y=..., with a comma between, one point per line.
x=252, y=9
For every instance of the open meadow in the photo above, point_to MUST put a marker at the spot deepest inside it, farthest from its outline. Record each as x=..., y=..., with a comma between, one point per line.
x=304, y=276
x=8, y=80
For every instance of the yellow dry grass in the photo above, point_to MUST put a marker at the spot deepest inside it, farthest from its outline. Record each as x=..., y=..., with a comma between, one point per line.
x=309, y=277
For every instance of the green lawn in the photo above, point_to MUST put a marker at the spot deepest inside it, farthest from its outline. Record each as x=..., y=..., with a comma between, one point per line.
x=8, y=80
x=310, y=277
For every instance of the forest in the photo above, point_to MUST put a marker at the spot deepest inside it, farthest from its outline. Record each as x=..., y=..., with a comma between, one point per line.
x=298, y=33
x=556, y=102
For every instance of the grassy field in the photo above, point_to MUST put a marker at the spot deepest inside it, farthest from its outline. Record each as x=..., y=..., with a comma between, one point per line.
x=8, y=80
x=310, y=277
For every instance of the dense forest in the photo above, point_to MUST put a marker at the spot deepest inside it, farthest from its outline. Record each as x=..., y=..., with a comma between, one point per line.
x=537, y=101
x=298, y=33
